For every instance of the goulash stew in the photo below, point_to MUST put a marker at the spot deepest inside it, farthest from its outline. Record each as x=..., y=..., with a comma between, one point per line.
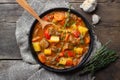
x=64, y=44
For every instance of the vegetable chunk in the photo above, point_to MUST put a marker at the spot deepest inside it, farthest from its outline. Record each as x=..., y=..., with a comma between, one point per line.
x=54, y=39
x=69, y=62
x=44, y=43
x=42, y=57
x=82, y=30
x=74, y=26
x=61, y=45
x=78, y=50
x=62, y=61
x=36, y=46
x=87, y=40
x=47, y=51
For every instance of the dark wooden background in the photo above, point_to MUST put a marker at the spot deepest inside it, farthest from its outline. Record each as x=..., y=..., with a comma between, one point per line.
x=107, y=29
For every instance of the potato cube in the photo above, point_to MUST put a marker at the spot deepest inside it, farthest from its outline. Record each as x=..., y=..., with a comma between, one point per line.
x=47, y=51
x=74, y=27
x=54, y=39
x=78, y=50
x=36, y=46
x=82, y=30
x=69, y=58
x=62, y=61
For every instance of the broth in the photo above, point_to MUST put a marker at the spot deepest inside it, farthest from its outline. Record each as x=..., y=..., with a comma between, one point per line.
x=62, y=46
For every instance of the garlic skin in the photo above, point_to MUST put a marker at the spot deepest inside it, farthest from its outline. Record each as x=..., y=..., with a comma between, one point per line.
x=89, y=5
x=95, y=19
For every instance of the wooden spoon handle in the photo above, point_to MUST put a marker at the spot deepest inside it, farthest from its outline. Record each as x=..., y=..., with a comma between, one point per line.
x=27, y=7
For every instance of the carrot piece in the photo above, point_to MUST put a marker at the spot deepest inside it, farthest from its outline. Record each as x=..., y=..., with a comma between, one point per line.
x=69, y=62
x=87, y=40
x=35, y=39
x=42, y=58
x=59, y=16
x=67, y=37
x=61, y=54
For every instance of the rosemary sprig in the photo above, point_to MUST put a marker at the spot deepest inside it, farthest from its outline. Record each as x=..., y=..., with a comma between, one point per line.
x=68, y=17
x=101, y=59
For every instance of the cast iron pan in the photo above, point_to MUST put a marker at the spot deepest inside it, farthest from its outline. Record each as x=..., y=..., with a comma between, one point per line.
x=85, y=57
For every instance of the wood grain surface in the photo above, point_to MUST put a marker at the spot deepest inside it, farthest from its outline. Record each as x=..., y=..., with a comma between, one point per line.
x=107, y=29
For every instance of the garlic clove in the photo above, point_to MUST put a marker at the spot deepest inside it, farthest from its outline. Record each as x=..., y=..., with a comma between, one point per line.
x=89, y=5
x=95, y=19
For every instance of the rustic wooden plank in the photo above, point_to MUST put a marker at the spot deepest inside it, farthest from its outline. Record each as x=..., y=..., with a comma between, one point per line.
x=118, y=1
x=106, y=30
x=10, y=12
x=105, y=34
x=15, y=11
x=76, y=1
x=7, y=1
x=112, y=33
x=8, y=45
x=99, y=1
x=109, y=13
x=13, y=1
x=110, y=73
x=10, y=50
x=83, y=0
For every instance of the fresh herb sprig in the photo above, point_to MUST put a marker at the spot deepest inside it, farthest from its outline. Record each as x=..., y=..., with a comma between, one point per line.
x=101, y=59
x=68, y=16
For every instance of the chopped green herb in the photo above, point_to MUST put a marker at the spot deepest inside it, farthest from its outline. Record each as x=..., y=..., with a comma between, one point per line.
x=81, y=39
x=68, y=17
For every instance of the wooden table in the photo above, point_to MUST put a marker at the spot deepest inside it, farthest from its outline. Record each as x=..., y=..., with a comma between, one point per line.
x=107, y=29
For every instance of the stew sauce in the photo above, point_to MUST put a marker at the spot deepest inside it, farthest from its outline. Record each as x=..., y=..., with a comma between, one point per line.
x=62, y=45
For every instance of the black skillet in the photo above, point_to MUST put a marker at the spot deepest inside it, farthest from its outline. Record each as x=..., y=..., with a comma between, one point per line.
x=86, y=55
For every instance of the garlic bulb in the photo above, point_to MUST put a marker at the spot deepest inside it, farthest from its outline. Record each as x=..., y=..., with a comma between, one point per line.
x=95, y=19
x=89, y=5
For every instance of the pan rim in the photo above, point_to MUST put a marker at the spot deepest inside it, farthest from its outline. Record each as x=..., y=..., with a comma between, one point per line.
x=86, y=55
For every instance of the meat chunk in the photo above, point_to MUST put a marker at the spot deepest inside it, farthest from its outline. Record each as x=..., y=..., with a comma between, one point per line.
x=57, y=33
x=67, y=46
x=73, y=40
x=51, y=31
x=55, y=49
x=44, y=43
